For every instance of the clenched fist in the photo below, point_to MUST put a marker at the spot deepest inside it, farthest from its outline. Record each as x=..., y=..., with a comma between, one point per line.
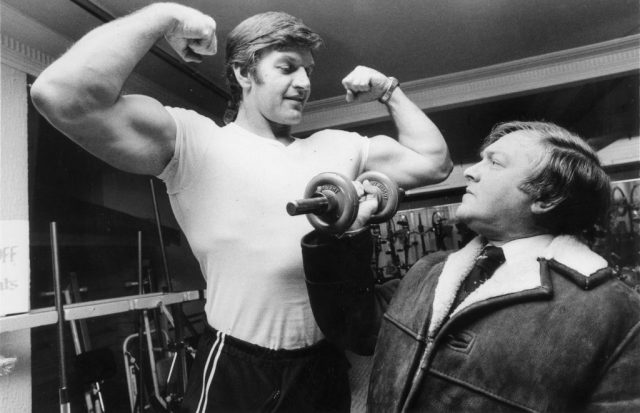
x=193, y=35
x=364, y=84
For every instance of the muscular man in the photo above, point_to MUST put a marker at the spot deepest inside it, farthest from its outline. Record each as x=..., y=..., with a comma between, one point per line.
x=548, y=327
x=229, y=185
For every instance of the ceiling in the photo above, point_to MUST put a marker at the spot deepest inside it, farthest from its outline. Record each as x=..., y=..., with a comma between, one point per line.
x=409, y=39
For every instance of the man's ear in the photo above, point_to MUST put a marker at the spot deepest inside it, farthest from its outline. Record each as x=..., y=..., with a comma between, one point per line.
x=541, y=207
x=242, y=76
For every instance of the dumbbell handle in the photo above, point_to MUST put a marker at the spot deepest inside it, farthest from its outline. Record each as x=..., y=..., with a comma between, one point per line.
x=319, y=204
x=316, y=205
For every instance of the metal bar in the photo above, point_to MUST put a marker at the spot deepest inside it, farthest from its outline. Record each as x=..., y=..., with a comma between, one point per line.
x=163, y=343
x=130, y=369
x=82, y=324
x=165, y=266
x=140, y=381
x=62, y=390
x=106, y=307
x=77, y=343
x=97, y=308
x=178, y=333
x=78, y=346
x=36, y=318
x=104, y=16
x=152, y=360
x=140, y=280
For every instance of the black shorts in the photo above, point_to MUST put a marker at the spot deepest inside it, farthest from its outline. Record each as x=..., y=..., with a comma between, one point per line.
x=231, y=375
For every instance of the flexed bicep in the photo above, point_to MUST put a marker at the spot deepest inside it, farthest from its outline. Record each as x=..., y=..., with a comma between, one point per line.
x=137, y=134
x=402, y=164
x=81, y=92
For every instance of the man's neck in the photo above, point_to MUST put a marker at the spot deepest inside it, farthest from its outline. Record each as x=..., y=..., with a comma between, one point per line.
x=499, y=241
x=264, y=127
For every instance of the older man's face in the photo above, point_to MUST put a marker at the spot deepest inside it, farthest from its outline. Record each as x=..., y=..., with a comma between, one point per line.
x=493, y=205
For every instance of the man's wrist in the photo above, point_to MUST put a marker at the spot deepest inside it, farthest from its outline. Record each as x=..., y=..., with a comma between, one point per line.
x=166, y=16
x=391, y=87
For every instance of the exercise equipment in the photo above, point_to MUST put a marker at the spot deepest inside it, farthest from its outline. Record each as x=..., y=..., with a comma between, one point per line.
x=63, y=391
x=404, y=235
x=95, y=364
x=438, y=228
x=421, y=232
x=377, y=250
x=150, y=357
x=393, y=268
x=174, y=398
x=413, y=233
x=92, y=366
x=331, y=201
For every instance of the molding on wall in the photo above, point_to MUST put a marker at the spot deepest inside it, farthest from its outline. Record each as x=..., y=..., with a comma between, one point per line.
x=510, y=78
x=22, y=57
x=619, y=152
x=455, y=180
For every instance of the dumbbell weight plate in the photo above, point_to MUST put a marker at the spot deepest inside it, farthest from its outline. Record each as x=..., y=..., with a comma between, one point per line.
x=340, y=218
x=389, y=195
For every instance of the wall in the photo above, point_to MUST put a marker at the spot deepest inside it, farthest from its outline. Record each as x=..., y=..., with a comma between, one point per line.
x=16, y=385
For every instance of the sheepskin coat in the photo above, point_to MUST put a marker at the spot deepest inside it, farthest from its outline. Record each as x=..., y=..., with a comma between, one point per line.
x=551, y=331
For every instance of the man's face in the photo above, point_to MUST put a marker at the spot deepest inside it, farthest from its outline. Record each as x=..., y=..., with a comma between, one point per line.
x=281, y=85
x=493, y=205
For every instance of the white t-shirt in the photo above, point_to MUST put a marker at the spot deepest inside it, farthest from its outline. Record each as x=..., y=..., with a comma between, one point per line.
x=228, y=189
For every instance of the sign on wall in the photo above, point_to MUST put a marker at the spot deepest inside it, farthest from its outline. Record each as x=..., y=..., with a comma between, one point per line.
x=14, y=266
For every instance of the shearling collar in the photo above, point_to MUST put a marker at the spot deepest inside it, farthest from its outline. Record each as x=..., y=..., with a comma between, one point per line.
x=520, y=272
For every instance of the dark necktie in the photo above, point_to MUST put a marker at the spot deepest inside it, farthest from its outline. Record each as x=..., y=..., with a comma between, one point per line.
x=487, y=262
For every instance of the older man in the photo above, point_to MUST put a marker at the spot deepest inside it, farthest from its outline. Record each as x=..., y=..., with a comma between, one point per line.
x=525, y=317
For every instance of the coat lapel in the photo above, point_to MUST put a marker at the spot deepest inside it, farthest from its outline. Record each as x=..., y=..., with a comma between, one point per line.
x=455, y=269
x=521, y=272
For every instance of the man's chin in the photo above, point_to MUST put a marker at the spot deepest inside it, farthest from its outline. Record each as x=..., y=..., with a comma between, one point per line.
x=293, y=120
x=460, y=211
x=462, y=215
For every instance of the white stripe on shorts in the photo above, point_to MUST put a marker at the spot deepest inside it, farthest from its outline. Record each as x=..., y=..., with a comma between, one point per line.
x=204, y=395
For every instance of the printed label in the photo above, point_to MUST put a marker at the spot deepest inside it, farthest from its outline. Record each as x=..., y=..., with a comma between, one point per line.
x=14, y=266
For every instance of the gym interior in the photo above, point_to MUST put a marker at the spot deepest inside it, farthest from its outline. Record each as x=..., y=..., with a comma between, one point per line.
x=93, y=260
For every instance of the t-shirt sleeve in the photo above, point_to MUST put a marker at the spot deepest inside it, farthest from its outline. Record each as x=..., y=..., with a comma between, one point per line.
x=359, y=145
x=194, y=136
x=364, y=151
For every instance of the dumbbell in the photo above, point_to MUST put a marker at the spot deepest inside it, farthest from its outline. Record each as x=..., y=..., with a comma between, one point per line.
x=331, y=201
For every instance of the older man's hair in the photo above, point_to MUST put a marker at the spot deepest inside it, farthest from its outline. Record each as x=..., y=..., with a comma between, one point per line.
x=569, y=175
x=248, y=41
